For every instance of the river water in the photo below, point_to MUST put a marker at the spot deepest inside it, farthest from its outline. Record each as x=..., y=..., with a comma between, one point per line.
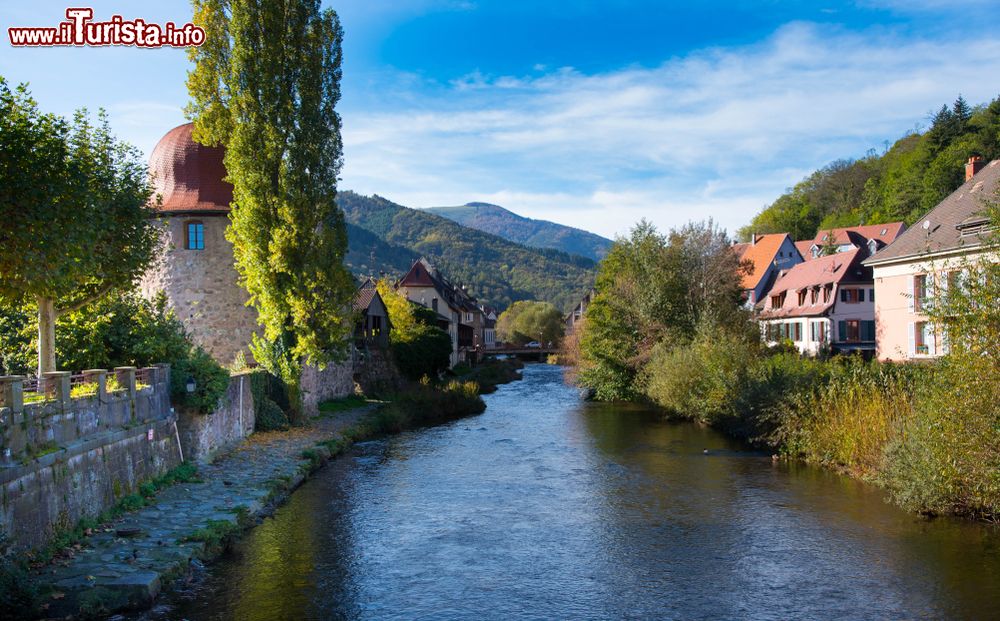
x=546, y=507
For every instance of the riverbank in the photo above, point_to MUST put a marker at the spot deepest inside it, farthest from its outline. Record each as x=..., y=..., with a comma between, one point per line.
x=124, y=563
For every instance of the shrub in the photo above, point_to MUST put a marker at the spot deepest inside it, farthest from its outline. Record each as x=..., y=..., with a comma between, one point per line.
x=211, y=381
x=268, y=396
x=426, y=351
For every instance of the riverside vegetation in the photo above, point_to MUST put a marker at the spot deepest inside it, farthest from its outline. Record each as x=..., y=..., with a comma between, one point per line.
x=930, y=434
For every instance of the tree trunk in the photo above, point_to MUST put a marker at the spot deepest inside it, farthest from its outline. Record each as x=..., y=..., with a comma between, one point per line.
x=46, y=335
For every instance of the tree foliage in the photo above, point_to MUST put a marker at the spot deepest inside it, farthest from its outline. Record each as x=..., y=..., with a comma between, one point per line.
x=528, y=321
x=265, y=85
x=419, y=347
x=74, y=205
x=653, y=290
x=902, y=184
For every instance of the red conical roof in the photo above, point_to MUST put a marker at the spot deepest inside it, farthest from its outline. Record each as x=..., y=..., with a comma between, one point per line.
x=189, y=176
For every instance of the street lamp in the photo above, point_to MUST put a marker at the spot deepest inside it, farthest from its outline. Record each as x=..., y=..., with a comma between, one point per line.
x=190, y=384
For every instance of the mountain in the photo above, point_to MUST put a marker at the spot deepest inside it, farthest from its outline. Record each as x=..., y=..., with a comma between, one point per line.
x=386, y=237
x=535, y=233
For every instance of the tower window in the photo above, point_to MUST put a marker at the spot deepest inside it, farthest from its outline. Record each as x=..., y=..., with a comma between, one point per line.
x=194, y=236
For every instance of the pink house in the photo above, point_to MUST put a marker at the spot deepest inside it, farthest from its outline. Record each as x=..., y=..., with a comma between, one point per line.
x=927, y=258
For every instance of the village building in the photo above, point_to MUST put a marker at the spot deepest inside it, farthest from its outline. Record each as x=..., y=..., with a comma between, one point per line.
x=844, y=239
x=765, y=257
x=195, y=268
x=576, y=315
x=373, y=326
x=927, y=259
x=490, y=315
x=459, y=313
x=825, y=304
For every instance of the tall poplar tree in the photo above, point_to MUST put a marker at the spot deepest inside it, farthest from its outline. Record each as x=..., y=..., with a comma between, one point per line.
x=265, y=85
x=75, y=213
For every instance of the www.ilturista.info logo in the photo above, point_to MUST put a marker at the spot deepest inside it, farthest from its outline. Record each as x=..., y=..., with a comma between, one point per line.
x=80, y=29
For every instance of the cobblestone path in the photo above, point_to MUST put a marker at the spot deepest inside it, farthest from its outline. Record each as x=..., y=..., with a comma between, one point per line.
x=125, y=564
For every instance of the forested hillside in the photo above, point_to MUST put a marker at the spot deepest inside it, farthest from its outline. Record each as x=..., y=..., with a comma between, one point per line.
x=386, y=237
x=903, y=183
x=504, y=223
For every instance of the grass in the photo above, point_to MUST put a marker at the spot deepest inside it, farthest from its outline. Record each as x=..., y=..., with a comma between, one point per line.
x=335, y=406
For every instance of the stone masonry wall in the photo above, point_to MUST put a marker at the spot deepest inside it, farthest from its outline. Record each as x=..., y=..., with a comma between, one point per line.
x=205, y=436
x=333, y=382
x=202, y=287
x=98, y=449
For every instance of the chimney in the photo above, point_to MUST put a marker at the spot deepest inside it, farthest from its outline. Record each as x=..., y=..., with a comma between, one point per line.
x=974, y=165
x=753, y=239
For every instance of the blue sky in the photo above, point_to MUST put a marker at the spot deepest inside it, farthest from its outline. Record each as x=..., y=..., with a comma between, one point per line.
x=589, y=113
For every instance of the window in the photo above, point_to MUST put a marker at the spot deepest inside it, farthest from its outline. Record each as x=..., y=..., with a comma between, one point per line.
x=434, y=304
x=777, y=301
x=919, y=292
x=852, y=296
x=796, y=331
x=813, y=295
x=850, y=331
x=921, y=339
x=818, y=331
x=194, y=236
x=802, y=297
x=871, y=295
x=826, y=293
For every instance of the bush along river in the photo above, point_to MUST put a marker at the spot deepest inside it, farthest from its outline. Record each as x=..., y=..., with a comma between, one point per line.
x=548, y=507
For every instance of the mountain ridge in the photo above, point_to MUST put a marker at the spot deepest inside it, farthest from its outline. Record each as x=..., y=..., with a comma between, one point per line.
x=387, y=237
x=500, y=221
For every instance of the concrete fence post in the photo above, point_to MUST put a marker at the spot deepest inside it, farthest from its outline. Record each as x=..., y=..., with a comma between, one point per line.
x=12, y=392
x=99, y=377
x=126, y=379
x=57, y=384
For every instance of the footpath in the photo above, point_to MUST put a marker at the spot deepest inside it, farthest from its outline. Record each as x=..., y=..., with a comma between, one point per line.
x=124, y=564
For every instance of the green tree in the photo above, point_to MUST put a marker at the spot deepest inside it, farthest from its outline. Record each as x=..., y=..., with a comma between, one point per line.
x=526, y=321
x=419, y=347
x=75, y=206
x=656, y=290
x=265, y=85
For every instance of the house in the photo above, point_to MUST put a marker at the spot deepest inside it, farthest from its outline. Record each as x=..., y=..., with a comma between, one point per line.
x=373, y=326
x=766, y=256
x=874, y=236
x=825, y=304
x=575, y=316
x=490, y=315
x=458, y=312
x=927, y=258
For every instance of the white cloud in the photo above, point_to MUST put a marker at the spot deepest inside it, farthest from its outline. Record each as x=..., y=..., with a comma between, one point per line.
x=719, y=132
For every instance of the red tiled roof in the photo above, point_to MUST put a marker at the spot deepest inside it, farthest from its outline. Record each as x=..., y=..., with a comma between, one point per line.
x=885, y=233
x=964, y=206
x=835, y=269
x=760, y=255
x=187, y=175
x=804, y=247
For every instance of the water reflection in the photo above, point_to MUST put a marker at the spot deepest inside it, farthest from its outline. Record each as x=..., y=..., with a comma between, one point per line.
x=545, y=507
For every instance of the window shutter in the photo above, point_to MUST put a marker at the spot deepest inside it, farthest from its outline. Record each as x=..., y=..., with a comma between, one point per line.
x=861, y=295
x=913, y=296
x=913, y=339
x=843, y=295
x=841, y=330
x=930, y=338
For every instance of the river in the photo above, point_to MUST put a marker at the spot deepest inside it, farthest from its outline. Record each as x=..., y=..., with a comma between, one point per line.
x=547, y=507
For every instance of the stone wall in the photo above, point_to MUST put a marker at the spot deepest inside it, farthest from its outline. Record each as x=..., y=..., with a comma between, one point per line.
x=202, y=287
x=205, y=436
x=72, y=458
x=333, y=382
x=375, y=371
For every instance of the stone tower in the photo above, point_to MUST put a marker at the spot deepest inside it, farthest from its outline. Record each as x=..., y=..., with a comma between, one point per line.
x=195, y=267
